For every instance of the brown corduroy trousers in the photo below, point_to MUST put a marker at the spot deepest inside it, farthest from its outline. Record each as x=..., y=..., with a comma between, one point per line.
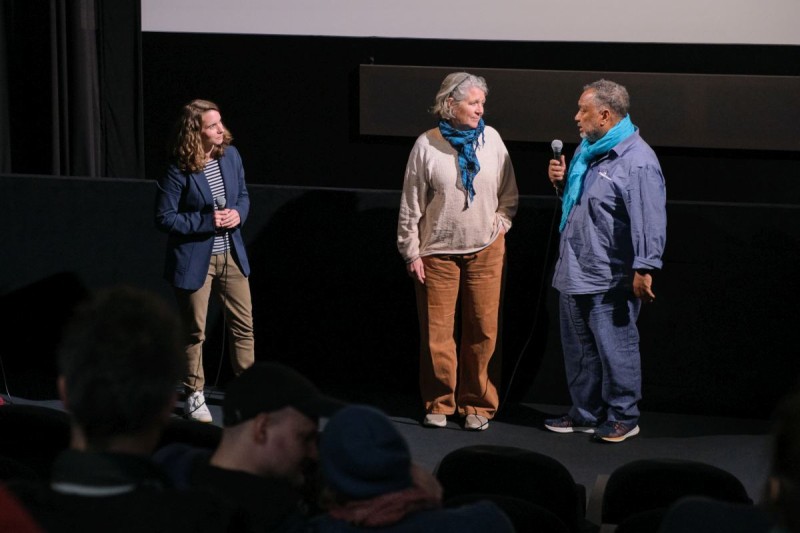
x=461, y=378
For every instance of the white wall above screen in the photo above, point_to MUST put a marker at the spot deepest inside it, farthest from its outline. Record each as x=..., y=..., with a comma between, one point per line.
x=637, y=21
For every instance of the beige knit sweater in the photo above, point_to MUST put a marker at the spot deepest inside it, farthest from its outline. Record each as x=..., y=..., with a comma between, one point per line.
x=434, y=216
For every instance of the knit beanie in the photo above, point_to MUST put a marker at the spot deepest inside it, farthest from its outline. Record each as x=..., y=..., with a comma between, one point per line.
x=362, y=455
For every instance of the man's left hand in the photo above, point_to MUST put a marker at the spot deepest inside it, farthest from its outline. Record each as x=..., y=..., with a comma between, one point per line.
x=642, y=287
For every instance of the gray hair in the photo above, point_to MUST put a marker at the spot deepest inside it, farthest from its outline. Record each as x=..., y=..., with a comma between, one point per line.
x=456, y=85
x=611, y=95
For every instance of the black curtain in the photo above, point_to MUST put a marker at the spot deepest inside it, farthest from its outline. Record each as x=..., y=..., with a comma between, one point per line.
x=70, y=92
x=5, y=143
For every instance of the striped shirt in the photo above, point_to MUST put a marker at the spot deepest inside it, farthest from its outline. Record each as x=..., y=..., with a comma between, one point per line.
x=214, y=177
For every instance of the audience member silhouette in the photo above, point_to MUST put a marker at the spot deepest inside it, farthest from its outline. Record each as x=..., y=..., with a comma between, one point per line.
x=369, y=483
x=267, y=449
x=783, y=487
x=119, y=360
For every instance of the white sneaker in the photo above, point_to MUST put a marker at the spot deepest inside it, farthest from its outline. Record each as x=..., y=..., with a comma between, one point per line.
x=435, y=420
x=195, y=408
x=476, y=423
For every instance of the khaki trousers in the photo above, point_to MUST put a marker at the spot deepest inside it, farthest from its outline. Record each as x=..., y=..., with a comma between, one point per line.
x=226, y=281
x=462, y=379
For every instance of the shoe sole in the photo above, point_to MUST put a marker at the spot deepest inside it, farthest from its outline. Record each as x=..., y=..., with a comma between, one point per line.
x=631, y=433
x=576, y=429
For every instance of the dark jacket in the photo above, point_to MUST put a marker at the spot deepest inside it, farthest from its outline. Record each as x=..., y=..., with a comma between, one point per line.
x=120, y=493
x=269, y=504
x=185, y=211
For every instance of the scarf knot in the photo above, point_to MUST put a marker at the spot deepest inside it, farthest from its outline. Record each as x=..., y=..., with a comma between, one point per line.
x=580, y=164
x=465, y=142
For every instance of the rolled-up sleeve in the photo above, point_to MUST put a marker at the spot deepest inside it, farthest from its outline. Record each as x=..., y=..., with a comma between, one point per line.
x=647, y=200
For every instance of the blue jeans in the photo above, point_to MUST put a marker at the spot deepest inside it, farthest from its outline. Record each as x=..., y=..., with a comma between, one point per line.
x=601, y=355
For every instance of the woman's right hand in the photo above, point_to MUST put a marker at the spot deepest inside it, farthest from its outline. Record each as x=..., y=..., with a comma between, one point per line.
x=416, y=270
x=556, y=172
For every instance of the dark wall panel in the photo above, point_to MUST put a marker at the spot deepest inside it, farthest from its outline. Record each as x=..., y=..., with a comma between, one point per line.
x=293, y=104
x=675, y=110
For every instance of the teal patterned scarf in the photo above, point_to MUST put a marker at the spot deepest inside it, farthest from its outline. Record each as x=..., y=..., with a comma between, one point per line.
x=580, y=164
x=465, y=142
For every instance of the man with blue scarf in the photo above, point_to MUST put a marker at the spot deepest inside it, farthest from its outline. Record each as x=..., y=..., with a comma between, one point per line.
x=613, y=231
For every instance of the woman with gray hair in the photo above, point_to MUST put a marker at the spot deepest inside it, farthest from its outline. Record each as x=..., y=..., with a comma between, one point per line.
x=459, y=197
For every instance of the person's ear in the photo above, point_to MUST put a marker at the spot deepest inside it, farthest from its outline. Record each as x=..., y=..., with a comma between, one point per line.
x=260, y=429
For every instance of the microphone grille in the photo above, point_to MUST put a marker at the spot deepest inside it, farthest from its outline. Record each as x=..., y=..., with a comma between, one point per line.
x=220, y=201
x=556, y=145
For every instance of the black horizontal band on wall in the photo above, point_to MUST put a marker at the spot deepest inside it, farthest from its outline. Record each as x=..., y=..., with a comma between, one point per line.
x=740, y=112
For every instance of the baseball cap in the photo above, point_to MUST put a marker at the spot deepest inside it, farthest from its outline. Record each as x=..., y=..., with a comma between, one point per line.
x=269, y=386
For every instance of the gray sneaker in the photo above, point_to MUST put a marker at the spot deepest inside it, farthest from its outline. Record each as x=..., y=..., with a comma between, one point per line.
x=613, y=431
x=567, y=424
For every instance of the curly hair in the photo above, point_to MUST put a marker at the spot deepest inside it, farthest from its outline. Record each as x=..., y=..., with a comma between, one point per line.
x=187, y=149
x=456, y=85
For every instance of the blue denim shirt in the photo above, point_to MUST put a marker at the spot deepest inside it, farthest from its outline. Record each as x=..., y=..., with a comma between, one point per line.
x=619, y=223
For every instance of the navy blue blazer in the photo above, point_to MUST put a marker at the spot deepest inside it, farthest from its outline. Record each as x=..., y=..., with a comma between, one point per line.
x=185, y=211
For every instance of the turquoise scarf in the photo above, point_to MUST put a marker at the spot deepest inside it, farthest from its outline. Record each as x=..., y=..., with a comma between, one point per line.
x=465, y=142
x=580, y=164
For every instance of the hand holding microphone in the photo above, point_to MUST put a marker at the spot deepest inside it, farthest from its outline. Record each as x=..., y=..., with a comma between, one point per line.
x=557, y=166
x=224, y=218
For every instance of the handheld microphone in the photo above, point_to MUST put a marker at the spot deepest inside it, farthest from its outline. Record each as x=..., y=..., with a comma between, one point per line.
x=557, y=146
x=220, y=202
